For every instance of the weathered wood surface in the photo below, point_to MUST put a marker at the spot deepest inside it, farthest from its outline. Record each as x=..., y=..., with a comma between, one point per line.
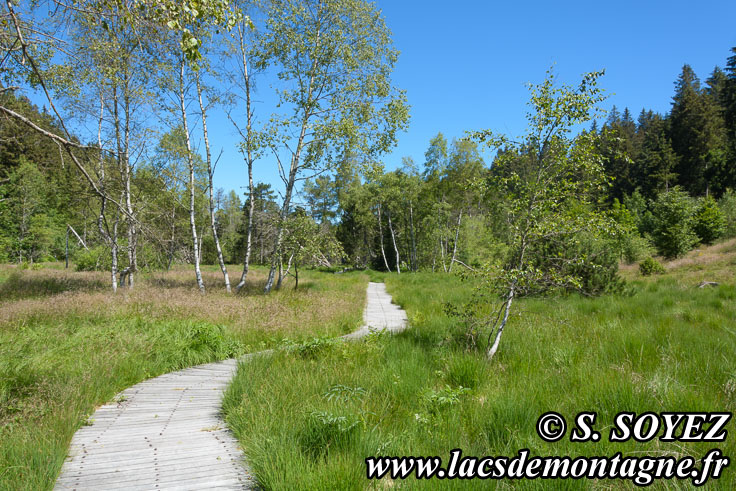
x=168, y=432
x=379, y=314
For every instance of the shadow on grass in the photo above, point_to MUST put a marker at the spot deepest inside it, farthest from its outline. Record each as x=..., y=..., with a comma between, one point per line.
x=31, y=284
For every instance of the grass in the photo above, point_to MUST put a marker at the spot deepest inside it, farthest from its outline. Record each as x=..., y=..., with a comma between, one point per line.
x=68, y=345
x=309, y=422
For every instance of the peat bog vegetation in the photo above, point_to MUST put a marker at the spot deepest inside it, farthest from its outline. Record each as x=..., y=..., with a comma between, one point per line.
x=67, y=345
x=307, y=420
x=106, y=163
x=308, y=417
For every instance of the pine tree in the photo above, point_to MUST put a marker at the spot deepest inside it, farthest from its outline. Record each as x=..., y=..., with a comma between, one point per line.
x=697, y=133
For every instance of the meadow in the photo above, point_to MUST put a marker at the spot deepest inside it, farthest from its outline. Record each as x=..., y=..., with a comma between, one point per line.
x=308, y=418
x=68, y=345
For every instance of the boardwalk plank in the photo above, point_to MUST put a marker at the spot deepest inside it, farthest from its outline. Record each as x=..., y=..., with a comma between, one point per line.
x=167, y=432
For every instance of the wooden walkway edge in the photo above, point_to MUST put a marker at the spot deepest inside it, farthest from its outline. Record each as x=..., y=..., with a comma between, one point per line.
x=168, y=433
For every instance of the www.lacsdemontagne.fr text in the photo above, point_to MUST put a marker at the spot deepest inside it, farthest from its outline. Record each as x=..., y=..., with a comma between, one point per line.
x=641, y=470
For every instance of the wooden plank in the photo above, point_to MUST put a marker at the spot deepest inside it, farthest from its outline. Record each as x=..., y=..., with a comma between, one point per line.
x=167, y=432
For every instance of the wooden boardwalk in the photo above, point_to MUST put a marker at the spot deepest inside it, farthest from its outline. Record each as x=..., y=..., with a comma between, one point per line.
x=168, y=433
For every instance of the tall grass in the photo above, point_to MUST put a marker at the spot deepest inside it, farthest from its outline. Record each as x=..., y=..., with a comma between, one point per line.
x=67, y=345
x=664, y=346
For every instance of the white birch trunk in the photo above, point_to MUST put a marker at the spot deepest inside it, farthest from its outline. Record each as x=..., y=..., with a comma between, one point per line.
x=249, y=163
x=210, y=172
x=190, y=160
x=380, y=234
x=454, y=246
x=132, y=236
x=393, y=239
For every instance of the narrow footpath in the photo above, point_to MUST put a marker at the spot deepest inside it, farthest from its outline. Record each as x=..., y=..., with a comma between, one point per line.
x=167, y=432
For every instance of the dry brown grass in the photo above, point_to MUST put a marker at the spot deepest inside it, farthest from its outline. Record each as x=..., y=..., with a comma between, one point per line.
x=706, y=263
x=27, y=295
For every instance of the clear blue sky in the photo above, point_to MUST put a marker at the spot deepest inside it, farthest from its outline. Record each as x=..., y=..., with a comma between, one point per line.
x=464, y=64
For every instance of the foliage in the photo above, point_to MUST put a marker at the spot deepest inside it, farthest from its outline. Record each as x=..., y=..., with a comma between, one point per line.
x=709, y=223
x=445, y=397
x=547, y=184
x=94, y=259
x=650, y=266
x=727, y=204
x=673, y=223
x=324, y=431
x=312, y=349
x=631, y=246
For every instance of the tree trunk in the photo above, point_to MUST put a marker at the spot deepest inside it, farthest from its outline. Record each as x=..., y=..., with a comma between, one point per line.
x=292, y=173
x=132, y=236
x=494, y=347
x=454, y=246
x=114, y=254
x=281, y=273
x=286, y=273
x=190, y=160
x=102, y=227
x=249, y=163
x=79, y=239
x=210, y=174
x=380, y=234
x=509, y=300
x=296, y=276
x=413, y=238
x=442, y=255
x=173, y=237
x=393, y=239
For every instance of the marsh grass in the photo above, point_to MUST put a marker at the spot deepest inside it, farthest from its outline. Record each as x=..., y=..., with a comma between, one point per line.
x=665, y=345
x=68, y=345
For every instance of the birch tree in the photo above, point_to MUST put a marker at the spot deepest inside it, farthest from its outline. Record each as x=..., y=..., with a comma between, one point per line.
x=547, y=186
x=210, y=183
x=251, y=144
x=182, y=95
x=334, y=58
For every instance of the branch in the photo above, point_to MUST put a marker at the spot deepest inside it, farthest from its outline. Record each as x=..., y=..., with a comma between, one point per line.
x=463, y=264
x=77, y=236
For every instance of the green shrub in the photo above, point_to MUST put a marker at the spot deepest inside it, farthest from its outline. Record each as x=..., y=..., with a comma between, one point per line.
x=636, y=205
x=632, y=247
x=592, y=261
x=436, y=400
x=727, y=205
x=94, y=259
x=673, y=214
x=709, y=223
x=650, y=266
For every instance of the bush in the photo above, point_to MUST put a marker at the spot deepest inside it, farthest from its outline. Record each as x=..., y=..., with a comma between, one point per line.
x=673, y=214
x=636, y=206
x=631, y=246
x=709, y=223
x=634, y=247
x=591, y=260
x=727, y=205
x=94, y=259
x=650, y=266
